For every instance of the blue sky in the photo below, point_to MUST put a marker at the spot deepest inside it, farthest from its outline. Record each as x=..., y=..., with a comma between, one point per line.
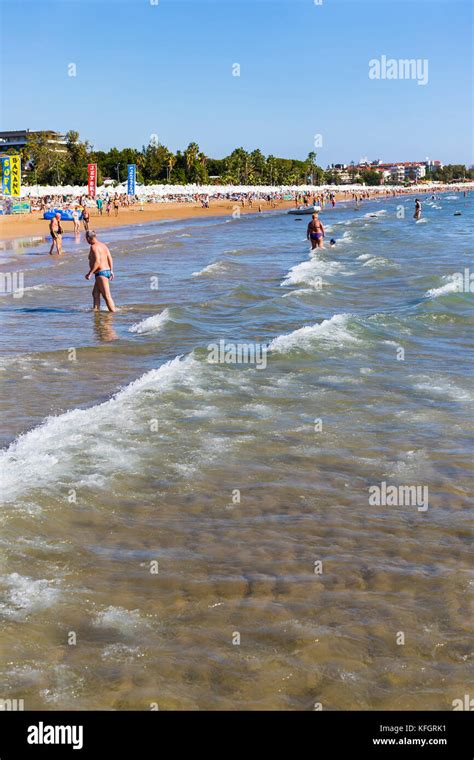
x=166, y=69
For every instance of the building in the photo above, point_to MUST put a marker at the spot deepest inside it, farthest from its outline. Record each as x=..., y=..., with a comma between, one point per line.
x=18, y=139
x=395, y=173
x=431, y=166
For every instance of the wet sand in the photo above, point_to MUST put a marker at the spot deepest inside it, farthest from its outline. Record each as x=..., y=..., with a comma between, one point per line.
x=34, y=224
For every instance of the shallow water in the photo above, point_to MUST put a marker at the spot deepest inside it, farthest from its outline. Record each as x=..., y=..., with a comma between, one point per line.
x=155, y=505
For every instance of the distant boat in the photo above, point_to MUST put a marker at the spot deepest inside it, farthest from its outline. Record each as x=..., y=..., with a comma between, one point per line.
x=304, y=210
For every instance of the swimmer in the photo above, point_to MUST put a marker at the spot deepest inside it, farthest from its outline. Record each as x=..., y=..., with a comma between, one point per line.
x=101, y=266
x=417, y=213
x=315, y=233
x=332, y=242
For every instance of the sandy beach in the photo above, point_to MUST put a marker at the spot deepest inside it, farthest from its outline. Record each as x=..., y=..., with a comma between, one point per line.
x=29, y=225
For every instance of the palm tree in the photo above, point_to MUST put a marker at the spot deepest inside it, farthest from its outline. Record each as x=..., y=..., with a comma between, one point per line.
x=169, y=166
x=190, y=156
x=312, y=163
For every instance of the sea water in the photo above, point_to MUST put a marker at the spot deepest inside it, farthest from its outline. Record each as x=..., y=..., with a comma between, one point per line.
x=185, y=529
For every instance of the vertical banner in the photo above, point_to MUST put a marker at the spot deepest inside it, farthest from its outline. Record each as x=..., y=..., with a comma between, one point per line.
x=91, y=179
x=15, y=164
x=6, y=176
x=132, y=174
x=11, y=176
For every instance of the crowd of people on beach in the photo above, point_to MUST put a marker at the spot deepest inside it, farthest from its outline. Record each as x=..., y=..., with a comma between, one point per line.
x=109, y=203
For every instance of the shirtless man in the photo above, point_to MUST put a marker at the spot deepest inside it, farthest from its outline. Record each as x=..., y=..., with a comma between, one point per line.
x=417, y=213
x=57, y=234
x=315, y=233
x=101, y=266
x=86, y=217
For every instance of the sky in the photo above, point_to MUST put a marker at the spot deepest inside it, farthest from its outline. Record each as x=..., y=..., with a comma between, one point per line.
x=166, y=68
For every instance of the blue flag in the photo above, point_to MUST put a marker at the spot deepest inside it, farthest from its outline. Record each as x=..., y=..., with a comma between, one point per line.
x=132, y=173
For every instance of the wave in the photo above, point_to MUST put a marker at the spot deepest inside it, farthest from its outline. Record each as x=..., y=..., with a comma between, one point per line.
x=95, y=443
x=334, y=331
x=437, y=387
x=216, y=268
x=451, y=286
x=378, y=262
x=382, y=212
x=299, y=292
x=311, y=272
x=28, y=288
x=151, y=324
x=24, y=596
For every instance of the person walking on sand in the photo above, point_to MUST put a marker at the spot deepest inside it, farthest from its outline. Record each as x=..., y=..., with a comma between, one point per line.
x=417, y=213
x=86, y=217
x=56, y=232
x=116, y=205
x=315, y=233
x=101, y=266
x=99, y=205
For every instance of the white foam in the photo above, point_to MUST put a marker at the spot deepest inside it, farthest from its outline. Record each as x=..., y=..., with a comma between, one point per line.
x=451, y=286
x=81, y=442
x=25, y=596
x=216, y=268
x=42, y=286
x=125, y=621
x=378, y=262
x=332, y=331
x=437, y=387
x=375, y=213
x=151, y=324
x=311, y=272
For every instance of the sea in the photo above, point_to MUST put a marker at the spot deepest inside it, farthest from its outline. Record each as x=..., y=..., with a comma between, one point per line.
x=251, y=487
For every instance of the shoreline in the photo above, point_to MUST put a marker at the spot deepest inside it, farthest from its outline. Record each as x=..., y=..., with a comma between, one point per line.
x=33, y=225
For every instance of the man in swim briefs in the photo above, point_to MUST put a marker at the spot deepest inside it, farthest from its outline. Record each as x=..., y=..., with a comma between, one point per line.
x=57, y=234
x=315, y=233
x=101, y=266
x=86, y=217
x=417, y=213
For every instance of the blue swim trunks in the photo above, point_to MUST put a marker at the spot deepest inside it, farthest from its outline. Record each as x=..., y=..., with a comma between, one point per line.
x=104, y=273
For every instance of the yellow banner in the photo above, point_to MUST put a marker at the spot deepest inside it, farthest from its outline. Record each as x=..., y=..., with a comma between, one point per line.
x=16, y=176
x=11, y=176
